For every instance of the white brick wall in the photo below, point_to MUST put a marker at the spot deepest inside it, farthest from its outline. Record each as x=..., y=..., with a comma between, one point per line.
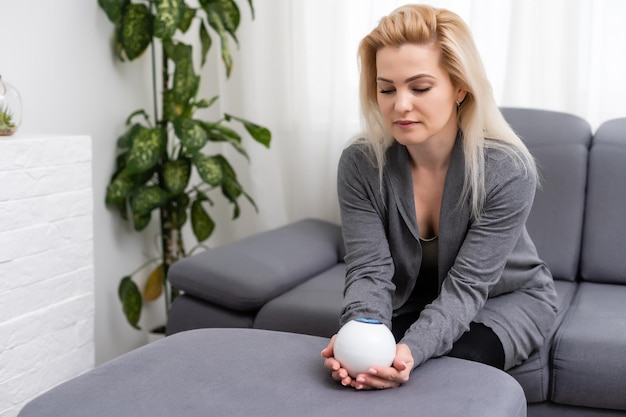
x=46, y=265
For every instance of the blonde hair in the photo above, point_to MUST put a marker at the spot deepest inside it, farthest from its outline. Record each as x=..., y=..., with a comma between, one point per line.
x=480, y=119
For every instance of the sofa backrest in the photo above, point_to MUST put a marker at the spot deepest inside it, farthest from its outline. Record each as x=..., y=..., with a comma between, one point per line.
x=560, y=142
x=604, y=235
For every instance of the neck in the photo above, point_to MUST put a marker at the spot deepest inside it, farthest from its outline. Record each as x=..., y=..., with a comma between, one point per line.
x=435, y=154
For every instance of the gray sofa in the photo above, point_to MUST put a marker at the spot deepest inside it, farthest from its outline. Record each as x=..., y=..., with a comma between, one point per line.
x=291, y=279
x=264, y=373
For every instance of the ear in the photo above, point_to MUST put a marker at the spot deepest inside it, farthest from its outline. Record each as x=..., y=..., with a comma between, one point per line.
x=460, y=96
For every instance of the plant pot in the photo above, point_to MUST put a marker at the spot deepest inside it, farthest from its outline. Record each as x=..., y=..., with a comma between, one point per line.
x=10, y=109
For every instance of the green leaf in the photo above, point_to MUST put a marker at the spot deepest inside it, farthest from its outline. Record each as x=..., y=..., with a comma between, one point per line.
x=231, y=17
x=172, y=51
x=176, y=175
x=120, y=161
x=209, y=168
x=136, y=33
x=191, y=134
x=113, y=8
x=119, y=188
x=227, y=131
x=186, y=18
x=228, y=14
x=230, y=185
x=259, y=133
x=200, y=196
x=203, y=104
x=238, y=146
x=122, y=184
x=140, y=112
x=217, y=135
x=201, y=222
x=205, y=41
x=217, y=24
x=231, y=188
x=171, y=109
x=179, y=210
x=186, y=83
x=130, y=296
x=141, y=221
x=168, y=15
x=148, y=198
x=126, y=140
x=146, y=149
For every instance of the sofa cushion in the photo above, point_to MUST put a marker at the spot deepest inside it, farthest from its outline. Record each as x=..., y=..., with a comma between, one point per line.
x=534, y=374
x=604, y=239
x=189, y=312
x=246, y=274
x=249, y=373
x=589, y=362
x=310, y=308
x=560, y=143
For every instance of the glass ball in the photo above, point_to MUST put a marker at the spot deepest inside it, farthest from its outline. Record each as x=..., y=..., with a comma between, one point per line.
x=10, y=108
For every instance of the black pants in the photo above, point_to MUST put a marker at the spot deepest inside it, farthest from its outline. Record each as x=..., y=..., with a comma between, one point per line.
x=478, y=344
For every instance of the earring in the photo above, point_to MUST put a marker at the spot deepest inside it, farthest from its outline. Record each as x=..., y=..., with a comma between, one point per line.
x=458, y=103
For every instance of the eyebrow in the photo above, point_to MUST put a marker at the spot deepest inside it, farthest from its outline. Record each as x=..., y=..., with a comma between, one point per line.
x=408, y=80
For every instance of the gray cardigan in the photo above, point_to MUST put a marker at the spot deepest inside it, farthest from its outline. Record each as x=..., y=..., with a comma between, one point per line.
x=489, y=270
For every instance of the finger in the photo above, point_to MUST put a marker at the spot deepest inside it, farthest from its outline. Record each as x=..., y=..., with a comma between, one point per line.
x=386, y=373
x=340, y=373
x=365, y=382
x=332, y=364
x=328, y=351
x=390, y=377
x=342, y=376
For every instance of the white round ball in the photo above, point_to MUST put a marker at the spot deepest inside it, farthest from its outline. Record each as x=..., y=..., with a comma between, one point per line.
x=363, y=343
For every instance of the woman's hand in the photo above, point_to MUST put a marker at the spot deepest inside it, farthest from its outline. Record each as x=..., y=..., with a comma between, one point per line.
x=382, y=377
x=378, y=377
x=337, y=372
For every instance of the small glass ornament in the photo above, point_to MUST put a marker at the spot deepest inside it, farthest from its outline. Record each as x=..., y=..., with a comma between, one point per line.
x=10, y=108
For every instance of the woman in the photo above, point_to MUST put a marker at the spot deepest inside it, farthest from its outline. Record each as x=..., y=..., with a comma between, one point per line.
x=434, y=203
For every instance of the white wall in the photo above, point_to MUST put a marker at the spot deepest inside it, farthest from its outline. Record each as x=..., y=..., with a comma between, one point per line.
x=46, y=265
x=58, y=55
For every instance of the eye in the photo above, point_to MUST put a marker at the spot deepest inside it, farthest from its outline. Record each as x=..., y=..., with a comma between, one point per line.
x=421, y=90
x=386, y=90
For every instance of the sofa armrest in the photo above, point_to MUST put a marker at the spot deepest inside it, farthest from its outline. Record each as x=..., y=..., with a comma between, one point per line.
x=246, y=274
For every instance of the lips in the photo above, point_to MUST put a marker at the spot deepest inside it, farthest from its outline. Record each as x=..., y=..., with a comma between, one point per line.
x=405, y=123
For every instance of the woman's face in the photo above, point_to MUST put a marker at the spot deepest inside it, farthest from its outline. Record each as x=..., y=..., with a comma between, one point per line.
x=415, y=95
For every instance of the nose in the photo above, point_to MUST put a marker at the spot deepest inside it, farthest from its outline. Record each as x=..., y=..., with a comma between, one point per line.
x=403, y=102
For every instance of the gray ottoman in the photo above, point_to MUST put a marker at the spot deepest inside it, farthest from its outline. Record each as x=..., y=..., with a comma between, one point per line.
x=247, y=372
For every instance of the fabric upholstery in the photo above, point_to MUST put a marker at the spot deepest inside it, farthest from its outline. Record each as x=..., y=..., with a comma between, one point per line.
x=246, y=274
x=534, y=374
x=246, y=372
x=189, y=312
x=311, y=308
x=550, y=409
x=560, y=143
x=604, y=246
x=589, y=363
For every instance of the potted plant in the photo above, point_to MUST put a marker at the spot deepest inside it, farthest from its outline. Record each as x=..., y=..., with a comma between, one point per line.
x=10, y=108
x=159, y=155
x=7, y=126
